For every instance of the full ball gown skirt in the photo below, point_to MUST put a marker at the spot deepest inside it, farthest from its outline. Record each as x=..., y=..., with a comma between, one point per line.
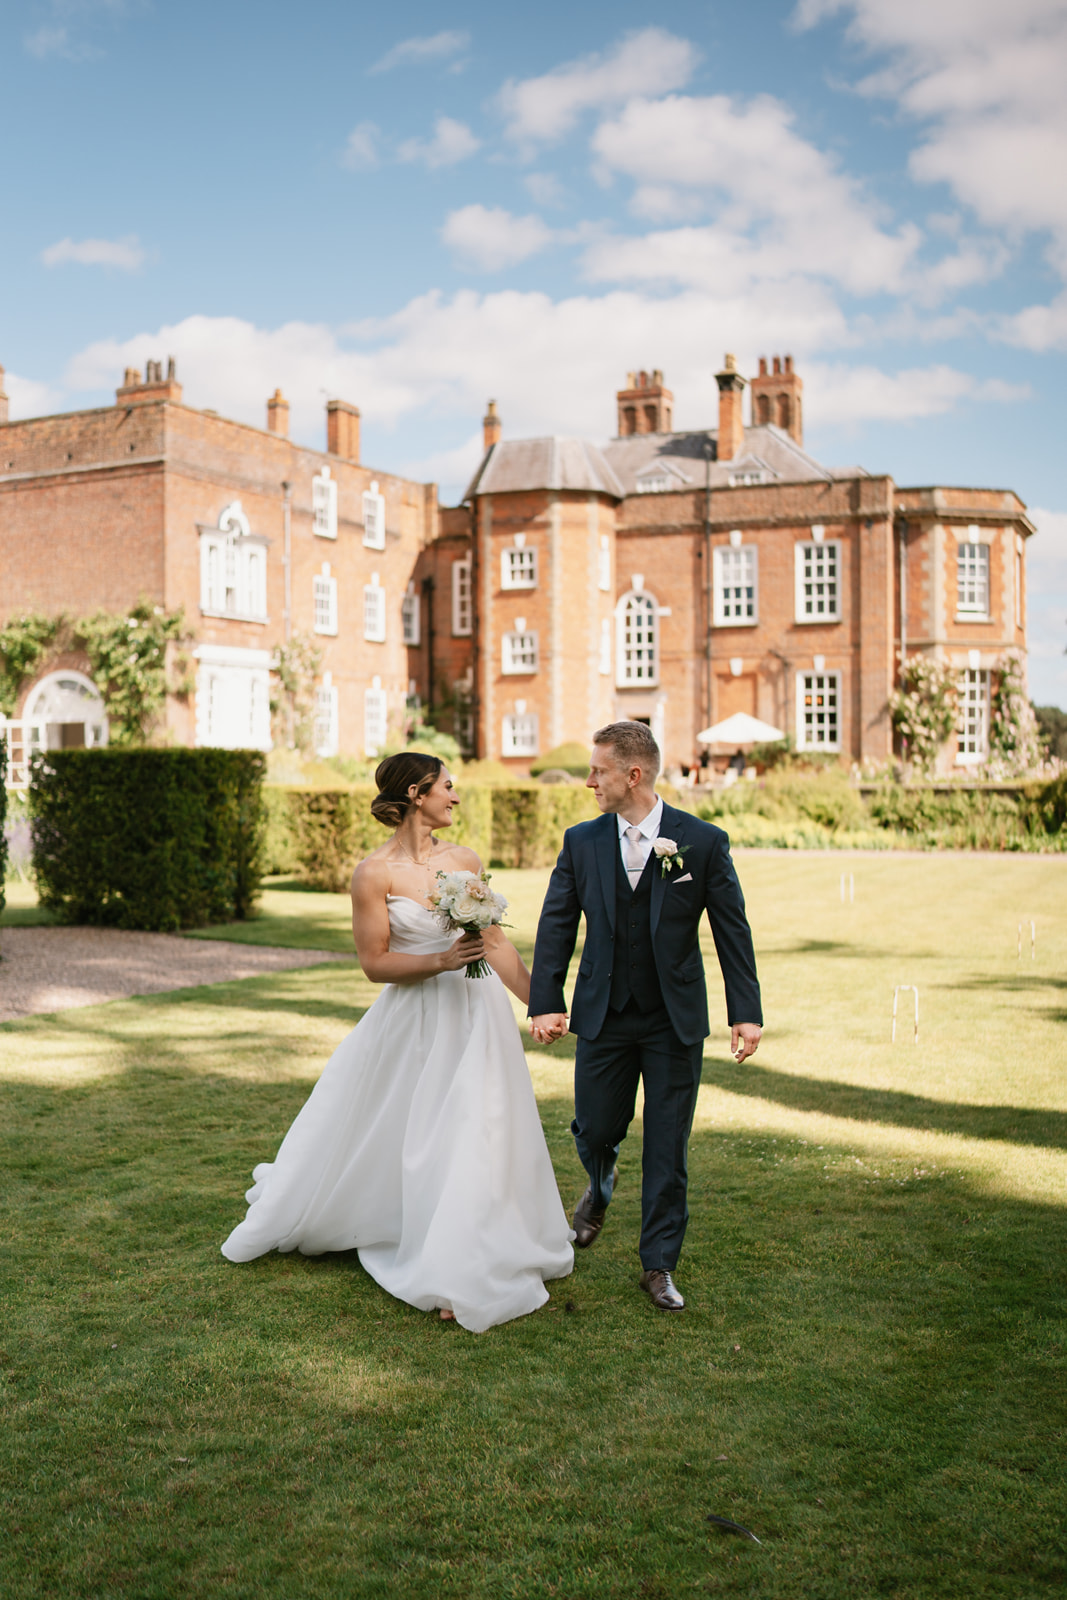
x=421, y=1147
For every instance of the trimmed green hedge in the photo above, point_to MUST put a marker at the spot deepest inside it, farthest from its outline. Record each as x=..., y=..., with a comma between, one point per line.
x=529, y=821
x=154, y=839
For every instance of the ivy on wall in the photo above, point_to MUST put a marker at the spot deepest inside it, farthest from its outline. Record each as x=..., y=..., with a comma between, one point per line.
x=128, y=662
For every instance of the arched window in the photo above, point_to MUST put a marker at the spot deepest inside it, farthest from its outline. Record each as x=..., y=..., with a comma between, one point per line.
x=637, y=640
x=783, y=412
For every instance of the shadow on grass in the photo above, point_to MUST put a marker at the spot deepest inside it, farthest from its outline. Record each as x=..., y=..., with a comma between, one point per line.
x=894, y=1108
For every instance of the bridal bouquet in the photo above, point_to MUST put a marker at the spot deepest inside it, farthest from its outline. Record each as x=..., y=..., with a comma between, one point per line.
x=464, y=901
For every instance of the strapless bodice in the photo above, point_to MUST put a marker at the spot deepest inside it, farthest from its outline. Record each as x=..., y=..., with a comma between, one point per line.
x=413, y=930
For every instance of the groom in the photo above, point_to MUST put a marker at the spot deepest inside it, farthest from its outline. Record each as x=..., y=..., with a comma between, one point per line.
x=643, y=874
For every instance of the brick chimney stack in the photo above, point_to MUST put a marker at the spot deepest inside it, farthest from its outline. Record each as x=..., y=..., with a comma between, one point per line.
x=278, y=414
x=135, y=391
x=645, y=405
x=491, y=426
x=776, y=398
x=3, y=399
x=342, y=429
x=731, y=428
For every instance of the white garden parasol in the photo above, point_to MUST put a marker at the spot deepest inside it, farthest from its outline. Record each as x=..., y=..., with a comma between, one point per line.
x=740, y=729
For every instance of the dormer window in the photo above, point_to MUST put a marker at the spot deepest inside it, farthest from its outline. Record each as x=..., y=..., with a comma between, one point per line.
x=660, y=477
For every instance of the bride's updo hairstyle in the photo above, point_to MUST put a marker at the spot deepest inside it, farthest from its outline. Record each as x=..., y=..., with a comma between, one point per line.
x=394, y=778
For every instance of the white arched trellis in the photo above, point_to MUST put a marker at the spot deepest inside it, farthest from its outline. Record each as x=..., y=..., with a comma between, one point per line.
x=71, y=709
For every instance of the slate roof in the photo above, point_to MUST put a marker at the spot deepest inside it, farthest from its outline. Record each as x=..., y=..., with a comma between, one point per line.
x=550, y=463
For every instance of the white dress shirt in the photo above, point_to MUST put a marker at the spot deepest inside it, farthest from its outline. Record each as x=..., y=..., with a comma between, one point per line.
x=649, y=831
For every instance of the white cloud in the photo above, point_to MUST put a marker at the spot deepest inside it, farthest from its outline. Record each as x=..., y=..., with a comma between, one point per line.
x=452, y=141
x=29, y=397
x=127, y=254
x=783, y=207
x=648, y=62
x=49, y=41
x=361, y=148
x=835, y=393
x=422, y=48
x=1046, y=607
x=1038, y=327
x=987, y=80
x=490, y=238
x=545, y=189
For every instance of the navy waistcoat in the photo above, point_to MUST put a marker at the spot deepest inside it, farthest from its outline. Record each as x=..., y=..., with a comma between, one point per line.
x=633, y=975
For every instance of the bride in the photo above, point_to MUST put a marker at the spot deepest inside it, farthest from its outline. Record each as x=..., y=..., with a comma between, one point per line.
x=421, y=1146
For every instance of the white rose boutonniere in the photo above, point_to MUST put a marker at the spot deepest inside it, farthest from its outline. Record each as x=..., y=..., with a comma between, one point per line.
x=670, y=855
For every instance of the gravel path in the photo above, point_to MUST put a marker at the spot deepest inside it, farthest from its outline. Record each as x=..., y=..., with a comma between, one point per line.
x=55, y=969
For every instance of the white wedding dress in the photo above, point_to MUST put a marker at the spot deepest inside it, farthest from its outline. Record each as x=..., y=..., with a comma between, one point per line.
x=421, y=1147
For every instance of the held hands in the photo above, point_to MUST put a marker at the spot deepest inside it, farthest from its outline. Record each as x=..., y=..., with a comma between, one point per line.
x=744, y=1040
x=470, y=948
x=548, y=1028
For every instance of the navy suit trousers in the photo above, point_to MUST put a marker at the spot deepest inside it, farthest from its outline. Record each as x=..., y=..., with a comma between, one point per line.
x=636, y=1045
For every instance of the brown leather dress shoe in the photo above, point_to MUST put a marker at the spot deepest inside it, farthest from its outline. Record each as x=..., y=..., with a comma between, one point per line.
x=586, y=1222
x=657, y=1283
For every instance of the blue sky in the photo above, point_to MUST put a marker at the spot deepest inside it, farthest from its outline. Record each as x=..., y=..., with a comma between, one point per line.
x=416, y=207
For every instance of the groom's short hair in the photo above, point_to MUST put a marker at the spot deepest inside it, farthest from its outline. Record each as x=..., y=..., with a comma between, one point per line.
x=632, y=743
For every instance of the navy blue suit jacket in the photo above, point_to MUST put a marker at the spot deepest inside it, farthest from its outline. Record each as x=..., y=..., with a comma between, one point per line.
x=584, y=882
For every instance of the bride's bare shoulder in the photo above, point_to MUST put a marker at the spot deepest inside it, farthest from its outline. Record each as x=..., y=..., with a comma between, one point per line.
x=373, y=874
x=460, y=859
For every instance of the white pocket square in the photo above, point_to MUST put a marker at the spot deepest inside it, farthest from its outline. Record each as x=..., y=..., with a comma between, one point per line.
x=685, y=878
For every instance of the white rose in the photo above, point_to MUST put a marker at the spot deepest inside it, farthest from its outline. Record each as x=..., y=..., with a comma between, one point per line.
x=665, y=847
x=466, y=909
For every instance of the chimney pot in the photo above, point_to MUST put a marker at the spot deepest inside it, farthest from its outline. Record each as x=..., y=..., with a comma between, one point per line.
x=278, y=414
x=789, y=363
x=342, y=429
x=763, y=366
x=731, y=427
x=491, y=427
x=777, y=363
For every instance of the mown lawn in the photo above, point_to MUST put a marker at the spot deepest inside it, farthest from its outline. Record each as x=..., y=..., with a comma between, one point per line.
x=869, y=1373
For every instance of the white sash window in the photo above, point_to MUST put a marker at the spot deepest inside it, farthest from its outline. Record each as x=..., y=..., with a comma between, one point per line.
x=324, y=505
x=374, y=518
x=410, y=618
x=327, y=717
x=973, y=725
x=520, y=734
x=462, y=609
x=518, y=569
x=324, y=598
x=374, y=611
x=818, y=711
x=519, y=649
x=375, y=717
x=818, y=581
x=637, y=640
x=233, y=568
x=734, y=578
x=972, y=580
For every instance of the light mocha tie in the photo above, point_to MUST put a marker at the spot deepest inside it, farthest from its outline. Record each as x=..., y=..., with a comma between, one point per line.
x=632, y=856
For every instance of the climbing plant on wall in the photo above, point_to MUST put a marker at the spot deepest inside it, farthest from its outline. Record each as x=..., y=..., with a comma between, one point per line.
x=923, y=709
x=1014, y=737
x=295, y=666
x=128, y=660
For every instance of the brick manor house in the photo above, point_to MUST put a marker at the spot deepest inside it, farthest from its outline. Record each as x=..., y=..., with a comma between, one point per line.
x=672, y=577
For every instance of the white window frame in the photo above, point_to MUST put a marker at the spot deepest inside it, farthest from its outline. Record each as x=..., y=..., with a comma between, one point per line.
x=518, y=567
x=815, y=721
x=462, y=598
x=519, y=651
x=233, y=569
x=232, y=697
x=374, y=611
x=972, y=727
x=606, y=632
x=374, y=518
x=411, y=618
x=818, y=570
x=375, y=717
x=735, y=586
x=324, y=505
x=520, y=734
x=637, y=642
x=324, y=601
x=972, y=578
x=604, y=564
x=327, y=717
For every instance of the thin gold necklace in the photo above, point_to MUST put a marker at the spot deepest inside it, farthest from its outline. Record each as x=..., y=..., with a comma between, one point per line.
x=415, y=859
